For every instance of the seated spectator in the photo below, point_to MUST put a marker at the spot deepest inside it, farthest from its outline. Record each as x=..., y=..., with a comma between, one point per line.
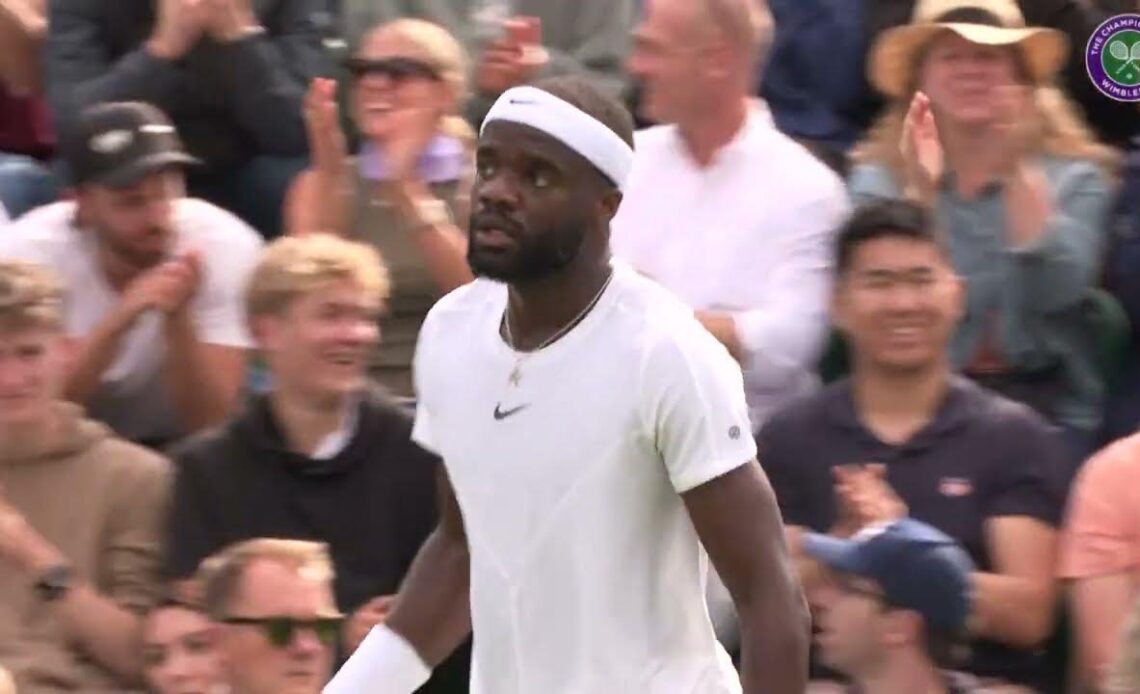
x=408, y=185
x=894, y=608
x=272, y=602
x=721, y=208
x=321, y=456
x=1020, y=186
x=813, y=81
x=515, y=42
x=904, y=436
x=80, y=512
x=25, y=183
x=178, y=651
x=25, y=133
x=232, y=75
x=1100, y=554
x=155, y=280
x=1115, y=121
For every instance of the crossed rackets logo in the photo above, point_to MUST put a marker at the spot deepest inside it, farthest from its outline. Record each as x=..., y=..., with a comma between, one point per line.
x=1112, y=57
x=1122, y=59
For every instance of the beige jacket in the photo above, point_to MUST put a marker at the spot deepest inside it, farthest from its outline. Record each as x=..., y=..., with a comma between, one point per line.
x=102, y=502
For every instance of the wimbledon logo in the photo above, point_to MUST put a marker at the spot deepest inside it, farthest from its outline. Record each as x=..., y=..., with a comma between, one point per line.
x=1112, y=58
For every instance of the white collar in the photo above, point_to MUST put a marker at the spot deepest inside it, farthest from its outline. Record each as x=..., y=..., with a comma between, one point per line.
x=335, y=442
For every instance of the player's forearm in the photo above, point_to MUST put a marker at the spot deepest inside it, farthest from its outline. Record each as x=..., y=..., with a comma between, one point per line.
x=433, y=610
x=775, y=642
x=95, y=356
x=1013, y=610
x=200, y=393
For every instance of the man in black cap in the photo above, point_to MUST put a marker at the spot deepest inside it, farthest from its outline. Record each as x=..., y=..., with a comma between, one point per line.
x=155, y=279
x=893, y=615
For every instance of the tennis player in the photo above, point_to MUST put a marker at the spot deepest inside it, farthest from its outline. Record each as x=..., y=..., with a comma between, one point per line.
x=595, y=437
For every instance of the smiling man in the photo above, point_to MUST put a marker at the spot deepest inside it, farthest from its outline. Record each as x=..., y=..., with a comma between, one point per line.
x=596, y=443
x=904, y=432
x=322, y=455
x=154, y=279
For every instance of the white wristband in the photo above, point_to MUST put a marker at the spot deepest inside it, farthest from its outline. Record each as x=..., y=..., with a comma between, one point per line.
x=385, y=663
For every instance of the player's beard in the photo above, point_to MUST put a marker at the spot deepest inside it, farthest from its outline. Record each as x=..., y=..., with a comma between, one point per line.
x=535, y=256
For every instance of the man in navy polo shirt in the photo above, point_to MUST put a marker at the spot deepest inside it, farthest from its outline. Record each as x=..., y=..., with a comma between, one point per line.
x=904, y=435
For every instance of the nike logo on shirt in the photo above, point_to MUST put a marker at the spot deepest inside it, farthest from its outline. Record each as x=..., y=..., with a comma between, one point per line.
x=501, y=414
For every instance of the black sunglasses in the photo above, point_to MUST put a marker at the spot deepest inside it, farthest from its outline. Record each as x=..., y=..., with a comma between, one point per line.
x=280, y=631
x=397, y=69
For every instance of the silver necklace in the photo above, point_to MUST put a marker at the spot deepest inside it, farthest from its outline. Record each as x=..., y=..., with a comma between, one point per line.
x=520, y=357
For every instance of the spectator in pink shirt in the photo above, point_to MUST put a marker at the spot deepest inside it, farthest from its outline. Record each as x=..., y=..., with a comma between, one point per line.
x=1100, y=554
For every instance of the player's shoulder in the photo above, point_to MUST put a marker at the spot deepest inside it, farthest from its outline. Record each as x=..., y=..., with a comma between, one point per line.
x=465, y=305
x=662, y=327
x=204, y=223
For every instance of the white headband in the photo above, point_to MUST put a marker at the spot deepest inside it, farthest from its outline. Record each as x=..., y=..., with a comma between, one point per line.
x=569, y=125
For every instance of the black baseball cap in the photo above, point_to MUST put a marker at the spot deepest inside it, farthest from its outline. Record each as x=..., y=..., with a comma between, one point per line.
x=917, y=566
x=117, y=144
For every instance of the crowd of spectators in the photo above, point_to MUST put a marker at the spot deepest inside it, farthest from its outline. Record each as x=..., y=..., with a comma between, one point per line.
x=914, y=223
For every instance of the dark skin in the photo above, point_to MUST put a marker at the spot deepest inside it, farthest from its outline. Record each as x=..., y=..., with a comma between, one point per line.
x=527, y=182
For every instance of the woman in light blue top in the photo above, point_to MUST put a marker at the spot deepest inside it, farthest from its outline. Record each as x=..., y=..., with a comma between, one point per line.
x=1021, y=188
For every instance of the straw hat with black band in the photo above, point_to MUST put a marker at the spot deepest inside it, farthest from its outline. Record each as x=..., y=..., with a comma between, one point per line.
x=896, y=52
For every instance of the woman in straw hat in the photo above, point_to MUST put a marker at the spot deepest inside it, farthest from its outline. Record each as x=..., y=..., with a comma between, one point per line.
x=407, y=187
x=1023, y=190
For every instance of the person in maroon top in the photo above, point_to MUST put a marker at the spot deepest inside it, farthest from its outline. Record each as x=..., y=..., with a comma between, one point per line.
x=26, y=136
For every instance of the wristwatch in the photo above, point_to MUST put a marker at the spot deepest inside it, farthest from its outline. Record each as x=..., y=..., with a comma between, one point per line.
x=55, y=583
x=431, y=212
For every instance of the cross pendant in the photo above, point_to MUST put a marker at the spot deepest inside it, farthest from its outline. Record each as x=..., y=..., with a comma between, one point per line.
x=515, y=376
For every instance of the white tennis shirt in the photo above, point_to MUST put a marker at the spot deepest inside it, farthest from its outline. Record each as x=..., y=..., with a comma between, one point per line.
x=586, y=572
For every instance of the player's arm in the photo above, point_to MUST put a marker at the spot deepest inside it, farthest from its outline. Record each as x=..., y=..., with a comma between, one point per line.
x=739, y=524
x=431, y=617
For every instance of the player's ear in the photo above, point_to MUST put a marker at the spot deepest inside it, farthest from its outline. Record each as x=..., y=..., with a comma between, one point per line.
x=610, y=201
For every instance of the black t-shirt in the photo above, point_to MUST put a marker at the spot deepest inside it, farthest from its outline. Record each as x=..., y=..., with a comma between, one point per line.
x=981, y=457
x=373, y=504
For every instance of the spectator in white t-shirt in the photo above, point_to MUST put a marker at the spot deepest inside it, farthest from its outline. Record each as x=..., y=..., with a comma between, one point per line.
x=731, y=215
x=155, y=280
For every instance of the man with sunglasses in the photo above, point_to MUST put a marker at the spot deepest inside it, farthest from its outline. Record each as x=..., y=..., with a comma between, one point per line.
x=894, y=609
x=277, y=621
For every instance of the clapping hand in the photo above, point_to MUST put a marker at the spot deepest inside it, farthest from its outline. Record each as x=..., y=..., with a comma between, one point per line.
x=167, y=287
x=924, y=159
x=178, y=27
x=513, y=59
x=229, y=20
x=865, y=497
x=327, y=147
